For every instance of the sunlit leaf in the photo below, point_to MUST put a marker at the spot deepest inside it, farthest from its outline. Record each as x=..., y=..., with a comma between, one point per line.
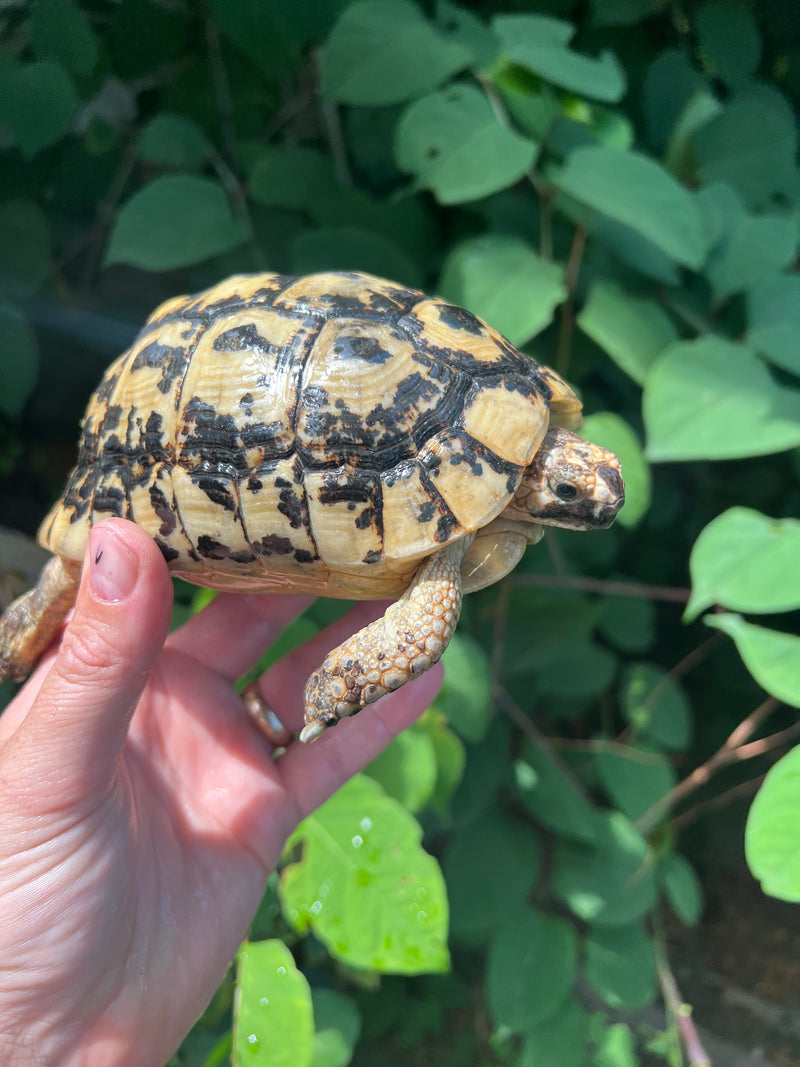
x=772, y=836
x=772, y=657
x=746, y=561
x=365, y=886
x=407, y=769
x=273, y=1018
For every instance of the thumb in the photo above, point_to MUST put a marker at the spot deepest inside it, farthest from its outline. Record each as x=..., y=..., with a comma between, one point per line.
x=74, y=731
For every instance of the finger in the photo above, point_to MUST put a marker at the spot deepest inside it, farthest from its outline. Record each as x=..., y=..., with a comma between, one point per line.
x=312, y=773
x=73, y=734
x=282, y=686
x=235, y=629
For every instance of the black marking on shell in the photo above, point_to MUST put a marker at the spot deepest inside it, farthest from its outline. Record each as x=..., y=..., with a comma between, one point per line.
x=358, y=347
x=460, y=319
x=273, y=545
x=210, y=548
x=163, y=510
x=217, y=492
x=106, y=388
x=109, y=498
x=254, y=484
x=110, y=421
x=303, y=556
x=372, y=557
x=172, y=361
x=167, y=551
x=244, y=338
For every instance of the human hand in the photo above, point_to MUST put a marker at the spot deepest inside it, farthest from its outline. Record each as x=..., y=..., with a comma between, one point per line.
x=141, y=811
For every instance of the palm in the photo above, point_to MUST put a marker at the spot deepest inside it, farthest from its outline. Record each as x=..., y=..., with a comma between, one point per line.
x=160, y=866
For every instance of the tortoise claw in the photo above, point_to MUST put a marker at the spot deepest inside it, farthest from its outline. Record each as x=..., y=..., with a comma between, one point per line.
x=311, y=731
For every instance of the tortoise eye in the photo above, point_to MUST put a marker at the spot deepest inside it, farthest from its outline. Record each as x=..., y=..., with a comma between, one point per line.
x=566, y=491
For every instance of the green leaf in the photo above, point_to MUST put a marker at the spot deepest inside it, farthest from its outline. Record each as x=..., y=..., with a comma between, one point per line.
x=24, y=248
x=639, y=192
x=632, y=330
x=468, y=30
x=682, y=887
x=365, y=886
x=610, y=883
x=621, y=966
x=751, y=146
x=172, y=222
x=559, y=679
x=553, y=798
x=679, y=157
x=608, y=430
x=337, y=1024
x=633, y=777
x=37, y=102
x=748, y=246
x=19, y=359
x=621, y=12
x=669, y=84
x=173, y=141
x=773, y=316
x=558, y=1041
x=466, y=695
x=490, y=865
x=712, y=399
x=348, y=248
x=502, y=280
x=385, y=52
x=407, y=769
x=729, y=40
x=531, y=968
x=772, y=657
x=290, y=176
x=746, y=561
x=617, y=1048
x=61, y=31
x=539, y=44
x=454, y=144
x=656, y=706
x=628, y=622
x=450, y=759
x=772, y=835
x=273, y=1018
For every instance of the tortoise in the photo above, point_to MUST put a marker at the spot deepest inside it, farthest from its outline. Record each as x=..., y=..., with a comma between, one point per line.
x=336, y=434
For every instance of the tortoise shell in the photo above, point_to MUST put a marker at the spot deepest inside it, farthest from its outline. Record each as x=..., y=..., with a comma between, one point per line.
x=322, y=433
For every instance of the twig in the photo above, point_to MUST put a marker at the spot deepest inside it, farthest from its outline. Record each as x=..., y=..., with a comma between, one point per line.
x=680, y=1011
x=535, y=735
x=222, y=90
x=602, y=585
x=721, y=800
x=729, y=752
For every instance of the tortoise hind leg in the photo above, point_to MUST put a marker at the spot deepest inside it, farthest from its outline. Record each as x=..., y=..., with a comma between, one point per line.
x=392, y=650
x=31, y=622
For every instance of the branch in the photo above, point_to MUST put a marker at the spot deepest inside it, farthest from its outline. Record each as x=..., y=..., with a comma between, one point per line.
x=680, y=1011
x=732, y=751
x=601, y=585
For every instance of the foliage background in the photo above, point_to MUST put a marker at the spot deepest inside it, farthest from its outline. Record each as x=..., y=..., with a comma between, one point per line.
x=613, y=184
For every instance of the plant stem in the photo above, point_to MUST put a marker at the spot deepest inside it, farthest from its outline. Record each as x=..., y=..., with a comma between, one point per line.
x=567, y=325
x=602, y=585
x=731, y=751
x=679, y=1009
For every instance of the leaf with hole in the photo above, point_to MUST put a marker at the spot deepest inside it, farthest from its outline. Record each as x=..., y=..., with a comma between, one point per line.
x=454, y=145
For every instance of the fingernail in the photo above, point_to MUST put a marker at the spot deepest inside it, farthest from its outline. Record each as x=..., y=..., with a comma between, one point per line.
x=113, y=567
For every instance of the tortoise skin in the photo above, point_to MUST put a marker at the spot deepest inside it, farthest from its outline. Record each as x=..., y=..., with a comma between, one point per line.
x=322, y=434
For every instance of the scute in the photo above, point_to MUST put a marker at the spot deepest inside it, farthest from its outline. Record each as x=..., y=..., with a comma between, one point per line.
x=321, y=433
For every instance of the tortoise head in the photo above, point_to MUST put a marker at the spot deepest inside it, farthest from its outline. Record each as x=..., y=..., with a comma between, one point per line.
x=569, y=483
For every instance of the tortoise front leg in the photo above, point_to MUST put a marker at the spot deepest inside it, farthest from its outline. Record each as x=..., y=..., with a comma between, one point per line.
x=392, y=650
x=31, y=622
